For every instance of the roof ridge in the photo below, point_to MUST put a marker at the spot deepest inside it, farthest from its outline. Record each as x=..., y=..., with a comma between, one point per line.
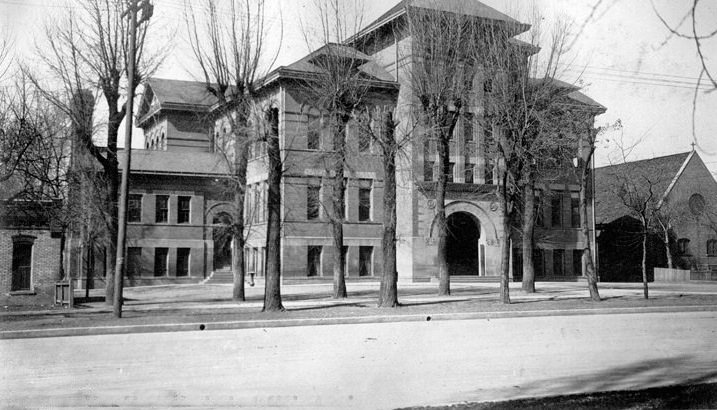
x=645, y=159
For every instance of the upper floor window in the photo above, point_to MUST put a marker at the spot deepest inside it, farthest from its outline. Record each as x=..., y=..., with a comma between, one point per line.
x=450, y=171
x=696, y=204
x=556, y=210
x=488, y=86
x=468, y=127
x=575, y=212
x=313, y=198
x=364, y=139
x=488, y=172
x=183, y=205
x=134, y=208
x=539, y=218
x=469, y=173
x=712, y=247
x=161, y=209
x=365, y=203
x=683, y=246
x=313, y=134
x=428, y=170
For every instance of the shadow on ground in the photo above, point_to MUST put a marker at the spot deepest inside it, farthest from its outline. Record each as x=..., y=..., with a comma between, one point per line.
x=681, y=370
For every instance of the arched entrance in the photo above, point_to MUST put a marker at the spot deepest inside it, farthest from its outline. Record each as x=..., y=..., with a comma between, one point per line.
x=221, y=234
x=462, y=244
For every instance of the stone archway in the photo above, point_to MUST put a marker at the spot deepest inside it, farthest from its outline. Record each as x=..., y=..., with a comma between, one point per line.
x=462, y=244
x=222, y=237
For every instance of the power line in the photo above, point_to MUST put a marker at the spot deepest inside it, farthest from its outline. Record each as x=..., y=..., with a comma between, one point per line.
x=640, y=79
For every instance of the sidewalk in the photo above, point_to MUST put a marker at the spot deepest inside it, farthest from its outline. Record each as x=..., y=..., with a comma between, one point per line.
x=204, y=307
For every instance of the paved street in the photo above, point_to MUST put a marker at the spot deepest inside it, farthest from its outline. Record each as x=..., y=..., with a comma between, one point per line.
x=363, y=365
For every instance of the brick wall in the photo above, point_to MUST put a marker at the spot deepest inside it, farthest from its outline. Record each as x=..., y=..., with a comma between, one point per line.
x=44, y=269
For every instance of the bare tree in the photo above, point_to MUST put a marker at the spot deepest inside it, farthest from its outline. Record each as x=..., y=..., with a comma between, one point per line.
x=381, y=125
x=39, y=172
x=521, y=109
x=641, y=195
x=272, y=284
x=338, y=89
x=693, y=32
x=228, y=44
x=87, y=49
x=441, y=77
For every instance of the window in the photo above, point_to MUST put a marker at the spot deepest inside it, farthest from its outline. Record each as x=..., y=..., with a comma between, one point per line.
x=449, y=172
x=556, y=210
x=183, y=261
x=313, y=259
x=488, y=86
x=468, y=127
x=160, y=261
x=558, y=262
x=257, y=202
x=696, y=204
x=577, y=262
x=313, y=197
x=134, y=208
x=683, y=246
x=365, y=260
x=712, y=247
x=428, y=170
x=575, y=212
x=183, y=209
x=365, y=203
x=134, y=262
x=539, y=217
x=161, y=210
x=22, y=263
x=539, y=262
x=488, y=172
x=313, y=134
x=469, y=173
x=364, y=139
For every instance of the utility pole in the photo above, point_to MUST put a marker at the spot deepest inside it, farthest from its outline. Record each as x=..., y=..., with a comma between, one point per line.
x=147, y=10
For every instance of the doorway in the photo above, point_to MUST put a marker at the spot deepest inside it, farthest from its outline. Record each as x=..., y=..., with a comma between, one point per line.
x=462, y=244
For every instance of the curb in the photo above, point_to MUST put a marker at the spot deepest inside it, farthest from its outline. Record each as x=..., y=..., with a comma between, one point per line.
x=253, y=324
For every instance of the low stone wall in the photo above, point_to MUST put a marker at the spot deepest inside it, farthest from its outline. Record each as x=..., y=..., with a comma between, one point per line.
x=671, y=275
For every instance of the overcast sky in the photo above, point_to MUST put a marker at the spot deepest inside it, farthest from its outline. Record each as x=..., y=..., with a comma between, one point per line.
x=628, y=61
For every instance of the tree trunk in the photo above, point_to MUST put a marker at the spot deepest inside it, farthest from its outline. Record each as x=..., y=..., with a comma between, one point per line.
x=528, y=282
x=90, y=267
x=590, y=273
x=272, y=283
x=444, y=278
x=388, y=293
x=337, y=219
x=668, y=253
x=113, y=200
x=241, y=147
x=505, y=243
x=644, y=259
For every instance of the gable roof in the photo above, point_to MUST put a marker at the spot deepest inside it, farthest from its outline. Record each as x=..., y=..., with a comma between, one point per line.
x=665, y=170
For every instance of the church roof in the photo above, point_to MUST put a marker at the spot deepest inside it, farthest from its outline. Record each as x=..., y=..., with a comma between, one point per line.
x=663, y=171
